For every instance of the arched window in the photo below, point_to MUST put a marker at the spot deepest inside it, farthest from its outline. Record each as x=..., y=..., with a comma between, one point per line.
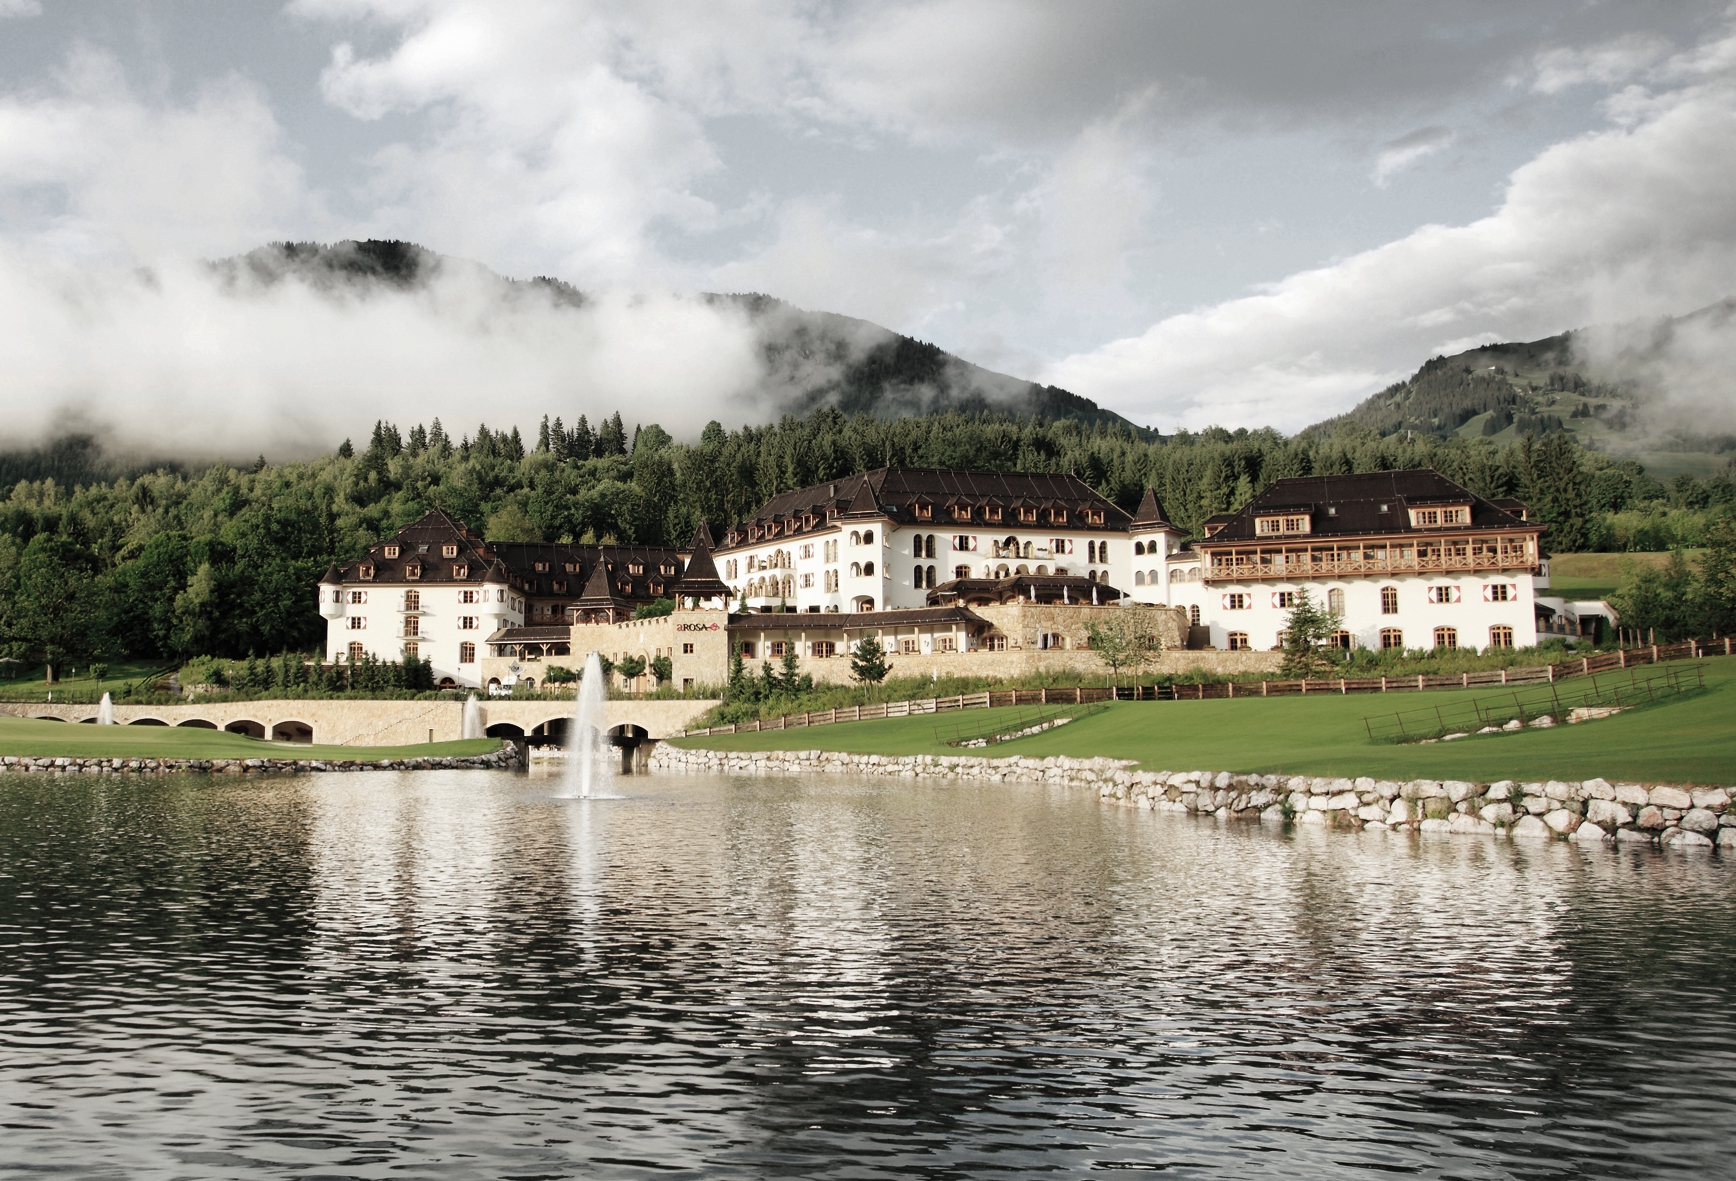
x=1090, y=575
x=1194, y=574
x=1340, y=639
x=1023, y=569
x=868, y=569
x=1139, y=578
x=855, y=537
x=1001, y=571
x=1138, y=548
x=1239, y=641
x=1335, y=601
x=412, y=600
x=1500, y=636
x=1027, y=552
x=1446, y=637
x=1193, y=615
x=1391, y=639
x=1389, y=600
x=917, y=580
x=467, y=654
x=931, y=574
x=855, y=569
x=1151, y=578
x=867, y=537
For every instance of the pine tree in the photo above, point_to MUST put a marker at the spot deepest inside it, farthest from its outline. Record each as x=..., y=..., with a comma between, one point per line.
x=868, y=662
x=1307, y=634
x=583, y=444
x=542, y=436
x=346, y=450
x=514, y=446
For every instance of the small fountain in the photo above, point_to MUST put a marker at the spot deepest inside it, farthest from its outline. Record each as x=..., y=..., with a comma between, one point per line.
x=472, y=724
x=105, y=712
x=589, y=755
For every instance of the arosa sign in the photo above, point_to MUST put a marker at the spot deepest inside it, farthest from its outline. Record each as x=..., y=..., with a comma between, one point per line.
x=696, y=627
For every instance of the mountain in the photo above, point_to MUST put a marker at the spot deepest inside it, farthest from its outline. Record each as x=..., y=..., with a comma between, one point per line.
x=812, y=359
x=1653, y=391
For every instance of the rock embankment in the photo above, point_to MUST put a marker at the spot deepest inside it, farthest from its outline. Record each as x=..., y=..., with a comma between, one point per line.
x=1590, y=811
x=505, y=757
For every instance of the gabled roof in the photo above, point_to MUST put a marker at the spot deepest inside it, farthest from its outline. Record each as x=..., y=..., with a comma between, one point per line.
x=1150, y=513
x=864, y=502
x=1362, y=504
x=700, y=578
x=600, y=592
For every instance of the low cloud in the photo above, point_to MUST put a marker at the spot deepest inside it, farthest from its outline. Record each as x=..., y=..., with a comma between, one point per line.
x=176, y=360
x=1401, y=153
x=1685, y=368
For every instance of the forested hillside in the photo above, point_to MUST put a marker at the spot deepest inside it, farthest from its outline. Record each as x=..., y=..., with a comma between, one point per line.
x=224, y=561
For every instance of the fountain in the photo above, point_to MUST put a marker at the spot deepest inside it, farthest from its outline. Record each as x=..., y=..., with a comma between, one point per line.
x=105, y=712
x=589, y=755
x=472, y=724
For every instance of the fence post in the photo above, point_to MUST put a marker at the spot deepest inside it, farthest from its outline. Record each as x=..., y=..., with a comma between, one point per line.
x=1232, y=688
x=1503, y=676
x=1341, y=689
x=1654, y=653
x=1078, y=695
x=1465, y=679
x=1419, y=682
x=1551, y=669
x=1304, y=686
x=1383, y=683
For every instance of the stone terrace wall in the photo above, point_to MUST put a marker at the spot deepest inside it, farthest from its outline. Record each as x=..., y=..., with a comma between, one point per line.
x=500, y=760
x=1589, y=811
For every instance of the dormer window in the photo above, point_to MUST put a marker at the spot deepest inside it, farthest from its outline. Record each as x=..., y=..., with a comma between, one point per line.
x=924, y=512
x=540, y=567
x=1027, y=514
x=992, y=513
x=449, y=551
x=413, y=570
x=635, y=567
x=667, y=569
x=1288, y=524
x=1093, y=516
x=656, y=588
x=560, y=586
x=961, y=512
x=1057, y=516
x=367, y=570
x=391, y=551
x=1426, y=518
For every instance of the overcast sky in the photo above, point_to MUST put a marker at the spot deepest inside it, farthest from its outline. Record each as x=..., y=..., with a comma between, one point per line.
x=1245, y=214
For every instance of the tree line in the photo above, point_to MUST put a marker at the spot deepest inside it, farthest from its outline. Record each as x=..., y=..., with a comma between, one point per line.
x=224, y=560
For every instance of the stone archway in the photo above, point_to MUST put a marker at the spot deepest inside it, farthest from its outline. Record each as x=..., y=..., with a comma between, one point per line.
x=198, y=724
x=634, y=743
x=292, y=731
x=246, y=727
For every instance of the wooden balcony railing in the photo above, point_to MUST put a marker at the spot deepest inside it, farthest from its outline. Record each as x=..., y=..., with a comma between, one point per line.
x=1232, y=568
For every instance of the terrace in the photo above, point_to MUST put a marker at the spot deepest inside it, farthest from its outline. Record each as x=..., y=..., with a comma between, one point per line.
x=1432, y=555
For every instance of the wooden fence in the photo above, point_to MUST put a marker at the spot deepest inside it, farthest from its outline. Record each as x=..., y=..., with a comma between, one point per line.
x=1543, y=674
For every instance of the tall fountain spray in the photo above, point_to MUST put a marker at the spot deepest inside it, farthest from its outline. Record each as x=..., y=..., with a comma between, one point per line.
x=105, y=712
x=588, y=750
x=471, y=726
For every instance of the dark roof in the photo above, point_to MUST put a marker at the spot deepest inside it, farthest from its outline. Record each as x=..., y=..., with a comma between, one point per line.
x=1150, y=511
x=1020, y=586
x=852, y=621
x=1351, y=506
x=892, y=492
x=700, y=578
x=531, y=635
x=333, y=574
x=599, y=592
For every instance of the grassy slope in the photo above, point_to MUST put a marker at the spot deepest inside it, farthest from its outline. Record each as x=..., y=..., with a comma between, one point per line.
x=1689, y=741
x=1595, y=576
x=30, y=736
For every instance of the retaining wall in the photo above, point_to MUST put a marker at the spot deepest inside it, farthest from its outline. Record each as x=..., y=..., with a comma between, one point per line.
x=1592, y=811
x=500, y=760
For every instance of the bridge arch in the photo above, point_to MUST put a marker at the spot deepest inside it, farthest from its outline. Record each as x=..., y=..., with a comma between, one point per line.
x=247, y=727
x=292, y=731
x=198, y=724
x=147, y=722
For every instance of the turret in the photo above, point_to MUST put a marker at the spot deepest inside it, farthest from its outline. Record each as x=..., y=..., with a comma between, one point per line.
x=331, y=594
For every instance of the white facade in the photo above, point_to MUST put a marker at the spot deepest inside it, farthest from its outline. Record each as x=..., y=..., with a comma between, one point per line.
x=443, y=623
x=874, y=564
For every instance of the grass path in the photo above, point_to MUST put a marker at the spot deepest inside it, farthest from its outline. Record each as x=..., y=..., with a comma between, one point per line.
x=40, y=739
x=1690, y=740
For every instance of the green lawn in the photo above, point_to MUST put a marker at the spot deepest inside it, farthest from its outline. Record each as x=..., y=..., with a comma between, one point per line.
x=19, y=681
x=1691, y=740
x=1595, y=576
x=37, y=738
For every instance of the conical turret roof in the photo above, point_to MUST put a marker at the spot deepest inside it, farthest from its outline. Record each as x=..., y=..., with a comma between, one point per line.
x=700, y=579
x=600, y=592
x=864, y=503
x=1150, y=514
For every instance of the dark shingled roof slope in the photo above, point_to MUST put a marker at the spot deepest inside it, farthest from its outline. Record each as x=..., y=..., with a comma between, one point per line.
x=1352, y=506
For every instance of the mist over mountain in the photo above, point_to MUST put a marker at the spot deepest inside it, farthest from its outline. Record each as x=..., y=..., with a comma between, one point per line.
x=1662, y=391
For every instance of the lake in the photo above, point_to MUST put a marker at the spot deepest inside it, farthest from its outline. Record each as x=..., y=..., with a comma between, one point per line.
x=457, y=975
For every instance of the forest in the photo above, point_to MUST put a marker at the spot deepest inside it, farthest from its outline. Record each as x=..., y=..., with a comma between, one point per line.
x=175, y=562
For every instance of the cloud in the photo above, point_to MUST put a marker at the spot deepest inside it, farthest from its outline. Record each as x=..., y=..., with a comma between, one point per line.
x=1401, y=153
x=1634, y=220
x=1605, y=64
x=173, y=361
x=17, y=9
x=1682, y=365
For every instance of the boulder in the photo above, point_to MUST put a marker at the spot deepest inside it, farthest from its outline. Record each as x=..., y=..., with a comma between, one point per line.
x=1670, y=797
x=1529, y=828
x=1562, y=820
x=1632, y=793
x=1589, y=833
x=1651, y=818
x=1501, y=813
x=1713, y=799
x=1727, y=838
x=1700, y=820
x=1628, y=835
x=1466, y=823
x=1681, y=838
x=1458, y=789
x=1598, y=789
x=1436, y=824
x=1607, y=813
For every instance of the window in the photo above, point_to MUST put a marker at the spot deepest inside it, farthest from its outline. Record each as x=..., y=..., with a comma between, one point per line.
x=391, y=551
x=776, y=649
x=856, y=569
x=1284, y=599
x=855, y=538
x=1051, y=640
x=1193, y=615
x=358, y=622
x=808, y=550
x=994, y=644
x=1138, y=548
x=1139, y=578
x=412, y=625
x=807, y=581
x=635, y=567
x=1446, y=637
x=367, y=571
x=1500, y=592
x=1443, y=594
x=1335, y=601
x=412, y=651
x=992, y=513
x=910, y=645
x=667, y=569
x=823, y=649
x=1389, y=600
x=747, y=649
x=961, y=571
x=412, y=600
x=867, y=569
x=467, y=623
x=1091, y=552
x=1093, y=516
x=1058, y=516
x=540, y=567
x=449, y=551
x=467, y=596
x=831, y=551
x=924, y=512
x=358, y=596
x=1151, y=578
x=1238, y=641
x=1027, y=514
x=687, y=649
x=467, y=654
x=1391, y=639
x=961, y=512
x=831, y=580
x=964, y=543
x=867, y=537
x=1293, y=523
x=357, y=651
x=945, y=644
x=1425, y=516
x=930, y=546
x=1238, y=602
x=1500, y=636
x=1340, y=639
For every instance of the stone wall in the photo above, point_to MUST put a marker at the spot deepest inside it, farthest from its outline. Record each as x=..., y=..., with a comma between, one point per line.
x=501, y=760
x=1592, y=811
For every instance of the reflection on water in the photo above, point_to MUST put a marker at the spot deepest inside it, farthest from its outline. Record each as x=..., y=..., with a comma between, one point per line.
x=457, y=975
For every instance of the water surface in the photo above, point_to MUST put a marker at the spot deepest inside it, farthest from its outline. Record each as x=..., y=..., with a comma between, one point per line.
x=456, y=975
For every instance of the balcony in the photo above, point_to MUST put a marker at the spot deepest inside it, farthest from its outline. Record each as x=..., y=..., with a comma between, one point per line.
x=1254, y=566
